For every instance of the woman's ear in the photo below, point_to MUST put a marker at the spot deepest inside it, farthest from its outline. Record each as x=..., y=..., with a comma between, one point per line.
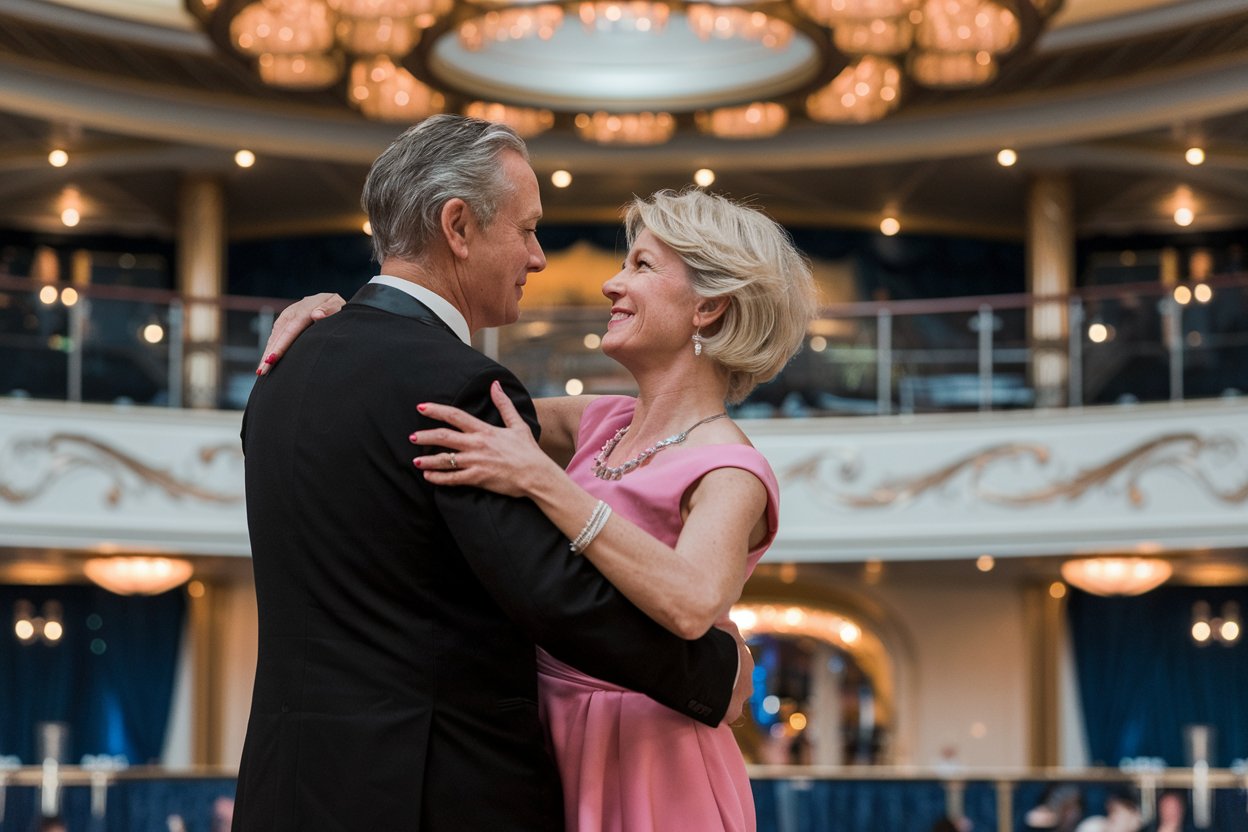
x=709, y=311
x=455, y=219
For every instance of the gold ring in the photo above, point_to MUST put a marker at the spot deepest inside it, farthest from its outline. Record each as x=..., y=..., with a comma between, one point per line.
x=454, y=464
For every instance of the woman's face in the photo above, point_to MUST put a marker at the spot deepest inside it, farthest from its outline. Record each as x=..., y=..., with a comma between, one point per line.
x=652, y=303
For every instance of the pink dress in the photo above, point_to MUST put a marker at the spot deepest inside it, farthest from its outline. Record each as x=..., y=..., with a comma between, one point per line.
x=628, y=764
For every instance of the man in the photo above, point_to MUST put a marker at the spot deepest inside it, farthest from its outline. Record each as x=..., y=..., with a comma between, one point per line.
x=396, y=683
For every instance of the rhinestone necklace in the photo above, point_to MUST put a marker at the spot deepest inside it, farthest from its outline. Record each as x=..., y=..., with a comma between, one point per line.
x=606, y=472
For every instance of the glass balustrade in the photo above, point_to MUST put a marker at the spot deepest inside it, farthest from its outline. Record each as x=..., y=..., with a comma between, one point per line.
x=1121, y=344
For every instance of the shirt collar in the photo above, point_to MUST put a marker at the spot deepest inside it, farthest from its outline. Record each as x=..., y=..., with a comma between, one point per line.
x=437, y=304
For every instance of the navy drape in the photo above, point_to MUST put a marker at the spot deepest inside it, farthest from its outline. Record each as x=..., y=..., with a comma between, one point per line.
x=1142, y=678
x=110, y=677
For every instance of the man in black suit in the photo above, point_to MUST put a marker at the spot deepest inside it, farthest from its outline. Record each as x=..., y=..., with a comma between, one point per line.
x=396, y=683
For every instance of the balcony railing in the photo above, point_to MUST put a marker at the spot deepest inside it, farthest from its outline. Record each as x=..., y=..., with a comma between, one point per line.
x=1125, y=343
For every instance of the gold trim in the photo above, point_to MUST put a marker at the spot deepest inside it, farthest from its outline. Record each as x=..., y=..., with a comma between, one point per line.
x=1179, y=452
x=66, y=453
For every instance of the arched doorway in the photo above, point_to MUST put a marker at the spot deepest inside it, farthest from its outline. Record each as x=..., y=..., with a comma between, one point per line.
x=823, y=688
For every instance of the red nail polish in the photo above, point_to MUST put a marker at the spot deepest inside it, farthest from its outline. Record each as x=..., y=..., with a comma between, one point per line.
x=411, y=438
x=259, y=372
x=271, y=358
x=416, y=462
x=421, y=407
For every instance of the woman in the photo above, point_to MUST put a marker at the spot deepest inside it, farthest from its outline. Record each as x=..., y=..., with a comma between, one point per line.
x=662, y=492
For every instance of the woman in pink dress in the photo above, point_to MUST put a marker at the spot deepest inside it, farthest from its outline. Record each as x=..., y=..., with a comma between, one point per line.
x=663, y=493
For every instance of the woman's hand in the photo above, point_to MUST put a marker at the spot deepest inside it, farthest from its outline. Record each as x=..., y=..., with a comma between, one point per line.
x=295, y=319
x=504, y=460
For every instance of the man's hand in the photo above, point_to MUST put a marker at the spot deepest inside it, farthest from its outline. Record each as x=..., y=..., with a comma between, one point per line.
x=295, y=319
x=745, y=674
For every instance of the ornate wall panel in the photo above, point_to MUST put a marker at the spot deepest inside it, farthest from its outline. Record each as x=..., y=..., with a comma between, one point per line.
x=104, y=478
x=1142, y=478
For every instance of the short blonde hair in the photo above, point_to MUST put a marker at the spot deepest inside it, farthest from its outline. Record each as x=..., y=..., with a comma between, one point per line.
x=735, y=251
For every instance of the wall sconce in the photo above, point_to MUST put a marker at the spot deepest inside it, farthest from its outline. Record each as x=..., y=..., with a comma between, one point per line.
x=1224, y=629
x=47, y=626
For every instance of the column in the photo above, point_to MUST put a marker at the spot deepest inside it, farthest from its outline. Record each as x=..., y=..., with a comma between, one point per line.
x=825, y=708
x=1050, y=273
x=1044, y=615
x=201, y=276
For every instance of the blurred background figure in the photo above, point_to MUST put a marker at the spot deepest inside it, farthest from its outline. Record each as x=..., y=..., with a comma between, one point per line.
x=1060, y=810
x=1122, y=814
x=1171, y=810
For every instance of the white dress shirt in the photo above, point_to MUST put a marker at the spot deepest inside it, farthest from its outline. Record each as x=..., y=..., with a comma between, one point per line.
x=438, y=305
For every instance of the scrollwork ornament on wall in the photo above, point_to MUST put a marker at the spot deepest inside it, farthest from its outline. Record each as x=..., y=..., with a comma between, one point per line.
x=828, y=473
x=31, y=468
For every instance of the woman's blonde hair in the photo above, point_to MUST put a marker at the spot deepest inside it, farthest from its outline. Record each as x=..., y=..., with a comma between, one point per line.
x=736, y=252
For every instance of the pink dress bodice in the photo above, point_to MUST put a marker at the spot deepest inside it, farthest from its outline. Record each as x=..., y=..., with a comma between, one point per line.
x=627, y=763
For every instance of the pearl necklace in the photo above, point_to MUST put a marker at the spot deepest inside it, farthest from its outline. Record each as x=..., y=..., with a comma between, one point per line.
x=606, y=472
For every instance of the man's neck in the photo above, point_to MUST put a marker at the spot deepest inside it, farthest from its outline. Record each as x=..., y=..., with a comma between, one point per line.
x=432, y=278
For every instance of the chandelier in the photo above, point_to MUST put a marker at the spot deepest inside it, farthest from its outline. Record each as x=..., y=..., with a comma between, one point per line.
x=627, y=71
x=138, y=575
x=1116, y=575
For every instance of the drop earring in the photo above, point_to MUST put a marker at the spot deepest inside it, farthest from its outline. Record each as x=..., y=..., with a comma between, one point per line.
x=697, y=342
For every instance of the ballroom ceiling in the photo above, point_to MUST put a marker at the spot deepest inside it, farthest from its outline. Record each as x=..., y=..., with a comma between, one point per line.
x=1111, y=95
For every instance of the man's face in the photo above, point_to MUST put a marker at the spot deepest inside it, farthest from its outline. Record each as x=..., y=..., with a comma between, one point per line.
x=503, y=253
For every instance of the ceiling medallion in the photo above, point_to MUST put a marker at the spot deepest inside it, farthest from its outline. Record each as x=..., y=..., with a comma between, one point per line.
x=630, y=68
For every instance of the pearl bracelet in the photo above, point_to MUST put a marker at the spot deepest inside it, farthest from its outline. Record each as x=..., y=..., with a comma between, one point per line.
x=597, y=519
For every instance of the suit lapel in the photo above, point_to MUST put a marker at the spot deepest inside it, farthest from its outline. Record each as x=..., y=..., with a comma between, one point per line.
x=398, y=302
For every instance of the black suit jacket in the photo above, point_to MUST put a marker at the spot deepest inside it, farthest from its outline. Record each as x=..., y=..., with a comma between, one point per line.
x=396, y=684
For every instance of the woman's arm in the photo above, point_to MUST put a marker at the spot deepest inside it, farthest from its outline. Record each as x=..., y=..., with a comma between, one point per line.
x=560, y=418
x=686, y=588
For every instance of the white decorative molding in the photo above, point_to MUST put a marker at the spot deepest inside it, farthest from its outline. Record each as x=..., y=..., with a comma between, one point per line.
x=104, y=478
x=1145, y=478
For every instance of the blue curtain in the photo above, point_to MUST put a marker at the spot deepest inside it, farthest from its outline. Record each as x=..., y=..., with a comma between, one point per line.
x=110, y=677
x=1142, y=678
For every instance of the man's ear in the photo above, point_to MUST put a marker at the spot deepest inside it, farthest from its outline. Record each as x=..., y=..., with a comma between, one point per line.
x=455, y=218
x=709, y=311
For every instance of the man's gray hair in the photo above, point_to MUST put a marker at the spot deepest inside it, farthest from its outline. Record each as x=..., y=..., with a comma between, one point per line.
x=441, y=158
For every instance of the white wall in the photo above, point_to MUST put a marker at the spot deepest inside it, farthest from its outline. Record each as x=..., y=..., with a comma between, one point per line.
x=969, y=647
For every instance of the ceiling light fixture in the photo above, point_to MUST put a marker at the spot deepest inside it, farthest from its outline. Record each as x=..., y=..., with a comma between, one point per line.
x=1116, y=575
x=138, y=575
x=744, y=70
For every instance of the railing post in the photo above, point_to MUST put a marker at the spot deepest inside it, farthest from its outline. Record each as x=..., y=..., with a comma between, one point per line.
x=1074, y=354
x=264, y=325
x=1005, y=806
x=77, y=329
x=884, y=362
x=175, y=352
x=1172, y=312
x=985, y=323
x=489, y=343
